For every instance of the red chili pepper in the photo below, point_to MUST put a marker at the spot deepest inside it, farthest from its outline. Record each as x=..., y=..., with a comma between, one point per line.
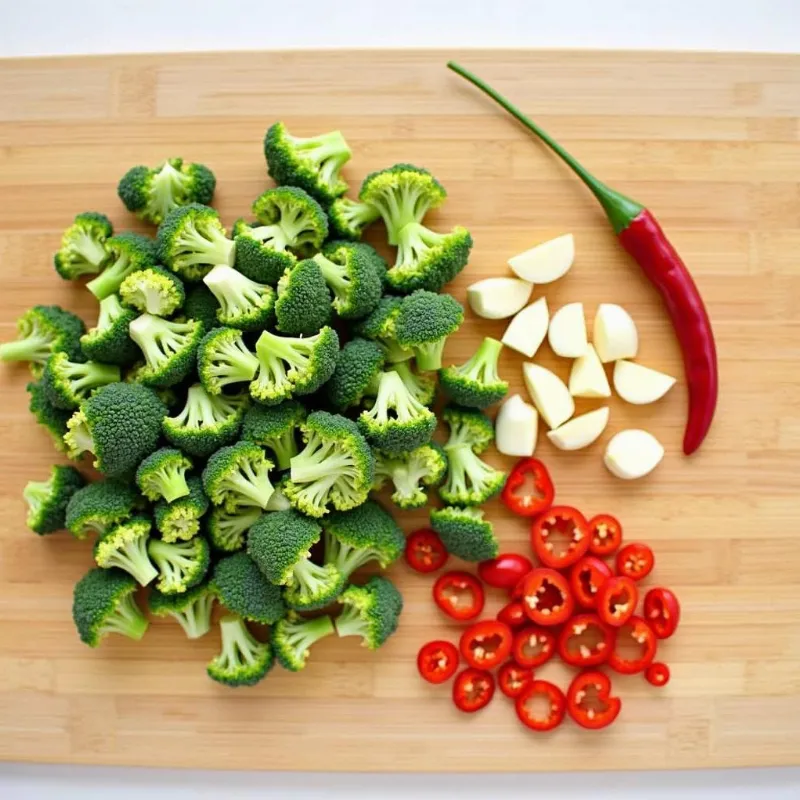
x=512, y=678
x=589, y=701
x=546, y=597
x=560, y=536
x=516, y=592
x=657, y=674
x=437, y=661
x=635, y=561
x=617, y=600
x=586, y=578
x=585, y=641
x=425, y=551
x=505, y=571
x=605, y=535
x=486, y=644
x=533, y=646
x=662, y=612
x=638, y=635
x=459, y=594
x=473, y=689
x=643, y=238
x=513, y=614
x=535, y=500
x=528, y=713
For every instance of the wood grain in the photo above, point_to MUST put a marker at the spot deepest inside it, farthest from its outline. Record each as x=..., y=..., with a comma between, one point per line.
x=709, y=142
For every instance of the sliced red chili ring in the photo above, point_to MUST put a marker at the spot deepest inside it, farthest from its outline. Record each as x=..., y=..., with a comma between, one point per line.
x=662, y=611
x=560, y=536
x=589, y=701
x=516, y=592
x=513, y=678
x=605, y=535
x=486, y=644
x=513, y=614
x=533, y=646
x=529, y=501
x=658, y=674
x=473, y=689
x=437, y=661
x=425, y=551
x=617, y=600
x=635, y=561
x=505, y=571
x=635, y=647
x=528, y=706
x=460, y=595
x=546, y=597
x=585, y=641
x=586, y=578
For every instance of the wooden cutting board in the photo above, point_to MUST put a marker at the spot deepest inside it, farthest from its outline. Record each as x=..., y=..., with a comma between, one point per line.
x=709, y=142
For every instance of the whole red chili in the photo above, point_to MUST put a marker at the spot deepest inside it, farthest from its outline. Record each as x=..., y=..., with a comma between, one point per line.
x=662, y=611
x=605, y=535
x=586, y=578
x=437, y=661
x=640, y=234
x=512, y=678
x=530, y=716
x=635, y=635
x=585, y=641
x=425, y=551
x=546, y=597
x=473, y=689
x=505, y=571
x=459, y=594
x=657, y=674
x=535, y=500
x=589, y=701
x=617, y=600
x=533, y=646
x=635, y=561
x=513, y=614
x=560, y=536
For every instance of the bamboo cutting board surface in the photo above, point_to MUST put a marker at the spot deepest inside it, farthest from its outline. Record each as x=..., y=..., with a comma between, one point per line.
x=709, y=142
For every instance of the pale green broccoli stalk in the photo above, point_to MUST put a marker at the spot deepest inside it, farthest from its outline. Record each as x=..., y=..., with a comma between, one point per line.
x=465, y=533
x=303, y=305
x=243, y=661
x=180, y=520
x=357, y=373
x=83, y=250
x=238, y=475
x=125, y=547
x=223, y=360
x=421, y=387
x=410, y=473
x=275, y=428
x=476, y=384
x=42, y=331
x=169, y=348
x=67, y=383
x=53, y=420
x=371, y=611
x=100, y=506
x=292, y=639
x=355, y=273
x=154, y=290
x=128, y=252
x=243, y=589
x=348, y=219
x=191, y=609
x=243, y=303
x=163, y=474
x=380, y=326
x=423, y=324
x=109, y=342
x=227, y=530
x=181, y=565
x=47, y=500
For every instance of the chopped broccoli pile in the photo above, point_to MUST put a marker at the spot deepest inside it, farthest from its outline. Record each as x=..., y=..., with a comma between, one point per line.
x=465, y=533
x=191, y=609
x=243, y=660
x=476, y=383
x=180, y=520
x=275, y=428
x=243, y=589
x=154, y=290
x=293, y=636
x=411, y=473
x=83, y=246
x=47, y=500
x=371, y=611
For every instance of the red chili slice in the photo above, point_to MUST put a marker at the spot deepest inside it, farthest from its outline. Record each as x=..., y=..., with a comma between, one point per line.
x=473, y=689
x=530, y=501
x=486, y=644
x=585, y=641
x=634, y=647
x=635, y=561
x=533, y=646
x=589, y=701
x=513, y=614
x=459, y=594
x=546, y=597
x=512, y=678
x=586, y=578
x=662, y=612
x=528, y=706
x=505, y=571
x=516, y=592
x=657, y=674
x=617, y=600
x=605, y=535
x=560, y=536
x=425, y=551
x=437, y=661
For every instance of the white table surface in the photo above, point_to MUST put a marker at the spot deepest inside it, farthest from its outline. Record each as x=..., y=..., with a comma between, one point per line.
x=66, y=27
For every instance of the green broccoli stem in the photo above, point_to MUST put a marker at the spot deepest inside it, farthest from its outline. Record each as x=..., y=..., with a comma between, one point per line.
x=166, y=187
x=284, y=447
x=239, y=646
x=335, y=275
x=36, y=347
x=483, y=363
x=110, y=279
x=251, y=482
x=344, y=557
x=133, y=559
x=394, y=352
x=36, y=493
x=325, y=463
x=309, y=577
x=429, y=354
x=302, y=635
x=126, y=619
x=195, y=619
x=92, y=251
x=351, y=623
x=91, y=375
x=170, y=482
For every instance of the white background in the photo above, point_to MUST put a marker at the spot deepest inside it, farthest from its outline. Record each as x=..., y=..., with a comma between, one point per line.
x=50, y=27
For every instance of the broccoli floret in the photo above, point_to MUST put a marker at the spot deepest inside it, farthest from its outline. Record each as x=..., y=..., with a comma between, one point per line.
x=355, y=273
x=243, y=661
x=356, y=537
x=47, y=500
x=397, y=422
x=348, y=219
x=238, y=475
x=128, y=252
x=476, y=383
x=293, y=636
x=151, y=193
x=371, y=611
x=120, y=424
x=358, y=369
x=280, y=543
x=206, y=422
x=99, y=506
x=154, y=290
x=304, y=301
x=103, y=602
x=180, y=520
x=169, y=348
x=312, y=163
x=191, y=609
x=465, y=533
x=421, y=387
x=423, y=324
x=191, y=241
x=335, y=468
x=67, y=383
x=380, y=325
x=468, y=427
x=227, y=530
x=200, y=304
x=53, y=420
x=289, y=219
x=83, y=250
x=163, y=474
x=274, y=428
x=470, y=480
x=410, y=473
x=181, y=565
x=260, y=251
x=243, y=589
x=223, y=360
x=109, y=341
x=42, y=331
x=125, y=547
x=243, y=303
x=293, y=365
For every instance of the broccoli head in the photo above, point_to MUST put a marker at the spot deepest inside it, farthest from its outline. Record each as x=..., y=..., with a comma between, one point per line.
x=201, y=305
x=358, y=370
x=243, y=303
x=224, y=360
x=169, y=348
x=355, y=273
x=242, y=588
x=181, y=565
x=47, y=500
x=66, y=383
x=465, y=533
x=425, y=321
x=83, y=250
x=243, y=661
x=100, y=506
x=410, y=473
x=128, y=252
x=293, y=636
x=476, y=384
x=154, y=290
x=180, y=520
x=261, y=252
x=289, y=219
x=274, y=428
x=371, y=611
x=303, y=305
x=163, y=474
x=238, y=475
x=191, y=609
x=109, y=342
x=125, y=547
x=42, y=331
x=348, y=219
x=103, y=602
x=312, y=163
x=428, y=260
x=53, y=420
x=227, y=530
x=421, y=387
x=380, y=326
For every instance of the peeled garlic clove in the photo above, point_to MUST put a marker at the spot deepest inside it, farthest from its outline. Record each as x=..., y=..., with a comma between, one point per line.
x=567, y=333
x=587, y=378
x=640, y=385
x=546, y=262
x=615, y=335
x=633, y=454
x=525, y=333
x=580, y=431
x=549, y=394
x=497, y=298
x=516, y=427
